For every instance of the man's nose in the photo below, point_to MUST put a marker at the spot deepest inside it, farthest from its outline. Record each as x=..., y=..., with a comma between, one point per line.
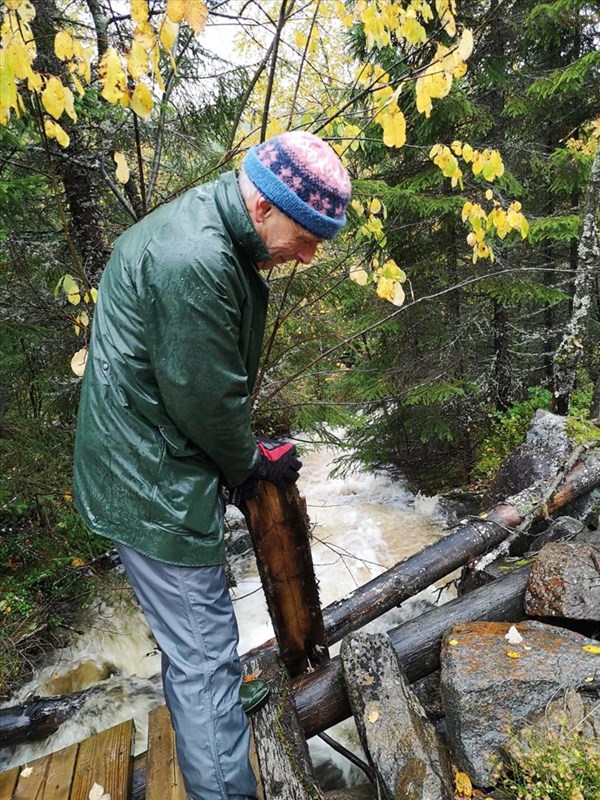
x=306, y=253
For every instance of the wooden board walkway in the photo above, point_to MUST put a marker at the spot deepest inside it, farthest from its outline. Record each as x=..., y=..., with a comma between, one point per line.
x=107, y=759
x=71, y=773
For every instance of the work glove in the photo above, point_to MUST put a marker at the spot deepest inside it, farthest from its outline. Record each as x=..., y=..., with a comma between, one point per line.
x=277, y=464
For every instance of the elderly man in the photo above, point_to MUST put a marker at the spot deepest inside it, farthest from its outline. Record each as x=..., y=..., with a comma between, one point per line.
x=164, y=420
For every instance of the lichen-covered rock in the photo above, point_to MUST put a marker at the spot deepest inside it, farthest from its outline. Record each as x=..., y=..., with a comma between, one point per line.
x=565, y=582
x=401, y=743
x=491, y=687
x=586, y=508
x=545, y=448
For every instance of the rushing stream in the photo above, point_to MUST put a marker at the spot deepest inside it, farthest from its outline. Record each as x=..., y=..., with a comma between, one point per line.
x=363, y=525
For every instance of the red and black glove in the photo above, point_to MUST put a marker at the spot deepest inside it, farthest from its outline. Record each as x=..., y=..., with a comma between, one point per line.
x=277, y=464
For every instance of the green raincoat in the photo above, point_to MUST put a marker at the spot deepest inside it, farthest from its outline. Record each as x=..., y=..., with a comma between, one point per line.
x=164, y=417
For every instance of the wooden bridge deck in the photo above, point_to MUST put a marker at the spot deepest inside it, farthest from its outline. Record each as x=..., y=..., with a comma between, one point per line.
x=105, y=759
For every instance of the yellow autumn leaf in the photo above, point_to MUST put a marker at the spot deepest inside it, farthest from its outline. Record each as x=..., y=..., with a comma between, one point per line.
x=373, y=715
x=112, y=75
x=137, y=61
x=463, y=785
x=196, y=15
x=394, y=129
x=26, y=11
x=413, y=31
x=141, y=100
x=63, y=45
x=122, y=172
x=155, y=58
x=399, y=296
x=53, y=97
x=300, y=39
x=78, y=362
x=513, y=654
x=77, y=562
x=144, y=35
x=20, y=59
x=375, y=205
x=591, y=648
x=175, y=10
x=453, y=642
x=168, y=33
x=62, y=137
x=94, y=294
x=386, y=288
x=70, y=104
x=443, y=9
x=359, y=276
x=358, y=207
x=465, y=45
x=78, y=86
x=8, y=89
x=139, y=11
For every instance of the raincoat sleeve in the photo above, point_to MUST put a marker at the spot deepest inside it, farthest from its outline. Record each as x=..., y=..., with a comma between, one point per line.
x=196, y=346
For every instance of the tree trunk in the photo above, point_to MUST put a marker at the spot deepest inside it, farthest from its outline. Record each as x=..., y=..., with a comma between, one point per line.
x=569, y=352
x=85, y=227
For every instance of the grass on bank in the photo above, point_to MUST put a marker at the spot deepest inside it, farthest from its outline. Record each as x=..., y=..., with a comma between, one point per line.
x=553, y=765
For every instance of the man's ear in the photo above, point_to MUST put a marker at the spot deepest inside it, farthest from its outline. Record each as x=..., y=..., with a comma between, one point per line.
x=261, y=209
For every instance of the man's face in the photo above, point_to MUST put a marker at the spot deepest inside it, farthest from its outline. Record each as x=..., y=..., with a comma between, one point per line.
x=284, y=239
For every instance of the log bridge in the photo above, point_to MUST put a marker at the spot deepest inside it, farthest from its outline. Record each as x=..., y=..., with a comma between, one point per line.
x=308, y=692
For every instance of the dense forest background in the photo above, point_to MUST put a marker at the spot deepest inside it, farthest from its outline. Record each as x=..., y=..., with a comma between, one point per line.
x=463, y=294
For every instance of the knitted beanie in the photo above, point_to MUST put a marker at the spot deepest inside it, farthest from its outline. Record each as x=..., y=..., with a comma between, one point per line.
x=302, y=175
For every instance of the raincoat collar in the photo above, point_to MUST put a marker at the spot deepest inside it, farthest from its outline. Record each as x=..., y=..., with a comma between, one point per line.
x=236, y=219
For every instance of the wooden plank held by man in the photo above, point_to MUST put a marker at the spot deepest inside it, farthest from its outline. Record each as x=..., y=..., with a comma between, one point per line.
x=280, y=531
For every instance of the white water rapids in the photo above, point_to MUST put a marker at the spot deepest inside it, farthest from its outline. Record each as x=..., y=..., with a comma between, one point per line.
x=363, y=525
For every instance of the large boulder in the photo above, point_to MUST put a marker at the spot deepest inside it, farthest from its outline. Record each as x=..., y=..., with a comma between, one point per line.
x=565, y=582
x=401, y=743
x=545, y=448
x=491, y=687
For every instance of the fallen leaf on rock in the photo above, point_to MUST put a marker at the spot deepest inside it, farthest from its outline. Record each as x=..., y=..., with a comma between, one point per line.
x=591, y=648
x=97, y=793
x=253, y=676
x=463, y=785
x=513, y=654
x=26, y=772
x=373, y=716
x=513, y=636
x=453, y=642
x=589, y=679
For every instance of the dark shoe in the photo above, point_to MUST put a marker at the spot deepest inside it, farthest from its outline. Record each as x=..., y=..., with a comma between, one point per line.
x=253, y=695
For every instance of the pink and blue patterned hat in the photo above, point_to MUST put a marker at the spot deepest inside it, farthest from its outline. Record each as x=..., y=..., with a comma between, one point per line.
x=302, y=175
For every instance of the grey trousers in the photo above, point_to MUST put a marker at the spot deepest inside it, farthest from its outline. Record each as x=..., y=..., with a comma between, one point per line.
x=191, y=616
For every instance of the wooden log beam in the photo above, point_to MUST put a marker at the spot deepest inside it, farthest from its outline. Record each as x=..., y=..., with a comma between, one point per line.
x=321, y=697
x=439, y=559
x=280, y=531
